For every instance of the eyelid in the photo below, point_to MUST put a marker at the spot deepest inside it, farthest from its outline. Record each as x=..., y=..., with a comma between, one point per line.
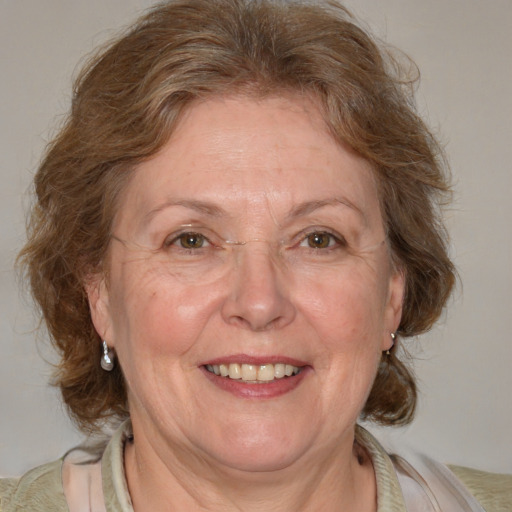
x=214, y=240
x=338, y=238
x=172, y=239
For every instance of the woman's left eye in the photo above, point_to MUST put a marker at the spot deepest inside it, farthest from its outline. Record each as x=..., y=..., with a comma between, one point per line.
x=320, y=240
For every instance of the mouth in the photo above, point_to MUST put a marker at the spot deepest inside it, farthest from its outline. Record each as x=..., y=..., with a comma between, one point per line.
x=256, y=377
x=254, y=373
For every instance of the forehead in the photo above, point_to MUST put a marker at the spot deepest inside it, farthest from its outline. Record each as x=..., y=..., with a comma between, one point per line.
x=237, y=152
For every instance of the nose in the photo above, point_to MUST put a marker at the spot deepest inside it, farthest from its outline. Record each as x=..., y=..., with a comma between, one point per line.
x=258, y=297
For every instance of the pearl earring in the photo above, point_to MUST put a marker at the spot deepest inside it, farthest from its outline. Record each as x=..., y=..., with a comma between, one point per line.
x=393, y=338
x=107, y=359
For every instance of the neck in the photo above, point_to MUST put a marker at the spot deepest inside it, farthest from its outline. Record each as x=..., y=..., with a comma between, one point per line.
x=174, y=478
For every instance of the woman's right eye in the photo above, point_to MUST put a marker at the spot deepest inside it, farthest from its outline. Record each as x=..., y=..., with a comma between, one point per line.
x=189, y=240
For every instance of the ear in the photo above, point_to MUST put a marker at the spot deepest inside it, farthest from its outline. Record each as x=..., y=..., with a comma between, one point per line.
x=394, y=306
x=98, y=296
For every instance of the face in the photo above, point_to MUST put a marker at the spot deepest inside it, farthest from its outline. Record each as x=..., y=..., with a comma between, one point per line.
x=252, y=245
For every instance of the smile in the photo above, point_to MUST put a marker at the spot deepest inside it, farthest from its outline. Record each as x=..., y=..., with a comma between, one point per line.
x=253, y=373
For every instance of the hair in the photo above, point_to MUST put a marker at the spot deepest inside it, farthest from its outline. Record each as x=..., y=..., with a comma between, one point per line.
x=128, y=99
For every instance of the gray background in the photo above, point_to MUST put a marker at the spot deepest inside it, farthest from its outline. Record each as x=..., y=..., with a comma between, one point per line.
x=463, y=49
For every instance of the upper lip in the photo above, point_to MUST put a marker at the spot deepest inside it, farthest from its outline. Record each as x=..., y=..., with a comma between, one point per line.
x=255, y=360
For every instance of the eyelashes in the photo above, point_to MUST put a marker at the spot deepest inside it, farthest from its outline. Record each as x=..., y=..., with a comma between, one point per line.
x=189, y=240
x=322, y=240
x=317, y=240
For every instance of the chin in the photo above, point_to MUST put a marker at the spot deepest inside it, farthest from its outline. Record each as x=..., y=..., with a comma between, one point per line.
x=260, y=447
x=264, y=460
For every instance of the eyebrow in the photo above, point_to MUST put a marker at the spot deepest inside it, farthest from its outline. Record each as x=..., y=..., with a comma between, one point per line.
x=310, y=206
x=203, y=207
x=213, y=210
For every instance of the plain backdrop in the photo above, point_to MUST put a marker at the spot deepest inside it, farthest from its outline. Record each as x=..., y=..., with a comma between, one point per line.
x=464, y=366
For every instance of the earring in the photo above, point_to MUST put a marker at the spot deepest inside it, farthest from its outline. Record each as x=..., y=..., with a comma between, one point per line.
x=107, y=359
x=393, y=338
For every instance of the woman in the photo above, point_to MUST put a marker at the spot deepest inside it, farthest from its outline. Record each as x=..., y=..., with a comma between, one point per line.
x=233, y=232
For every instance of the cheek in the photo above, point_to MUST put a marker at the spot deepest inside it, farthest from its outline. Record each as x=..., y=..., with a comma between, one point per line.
x=154, y=311
x=346, y=305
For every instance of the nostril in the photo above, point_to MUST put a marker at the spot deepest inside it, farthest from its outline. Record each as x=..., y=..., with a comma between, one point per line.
x=258, y=315
x=253, y=323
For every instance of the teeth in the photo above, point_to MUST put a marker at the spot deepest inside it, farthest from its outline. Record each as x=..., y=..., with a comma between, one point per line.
x=214, y=369
x=288, y=370
x=253, y=373
x=266, y=372
x=279, y=370
x=249, y=372
x=235, y=372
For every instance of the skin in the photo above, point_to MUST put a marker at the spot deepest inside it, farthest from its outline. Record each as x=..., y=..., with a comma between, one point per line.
x=270, y=175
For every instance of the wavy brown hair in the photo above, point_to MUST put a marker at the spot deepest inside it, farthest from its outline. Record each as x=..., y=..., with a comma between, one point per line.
x=126, y=103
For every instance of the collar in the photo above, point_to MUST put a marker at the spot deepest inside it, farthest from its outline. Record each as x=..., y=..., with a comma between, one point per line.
x=117, y=498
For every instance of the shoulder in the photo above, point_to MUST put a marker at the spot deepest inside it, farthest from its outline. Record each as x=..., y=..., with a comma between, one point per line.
x=38, y=490
x=492, y=490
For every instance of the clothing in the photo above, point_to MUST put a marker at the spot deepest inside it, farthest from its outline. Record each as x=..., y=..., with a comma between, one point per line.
x=41, y=489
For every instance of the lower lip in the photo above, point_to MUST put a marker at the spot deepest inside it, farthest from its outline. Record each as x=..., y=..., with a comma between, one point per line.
x=271, y=389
